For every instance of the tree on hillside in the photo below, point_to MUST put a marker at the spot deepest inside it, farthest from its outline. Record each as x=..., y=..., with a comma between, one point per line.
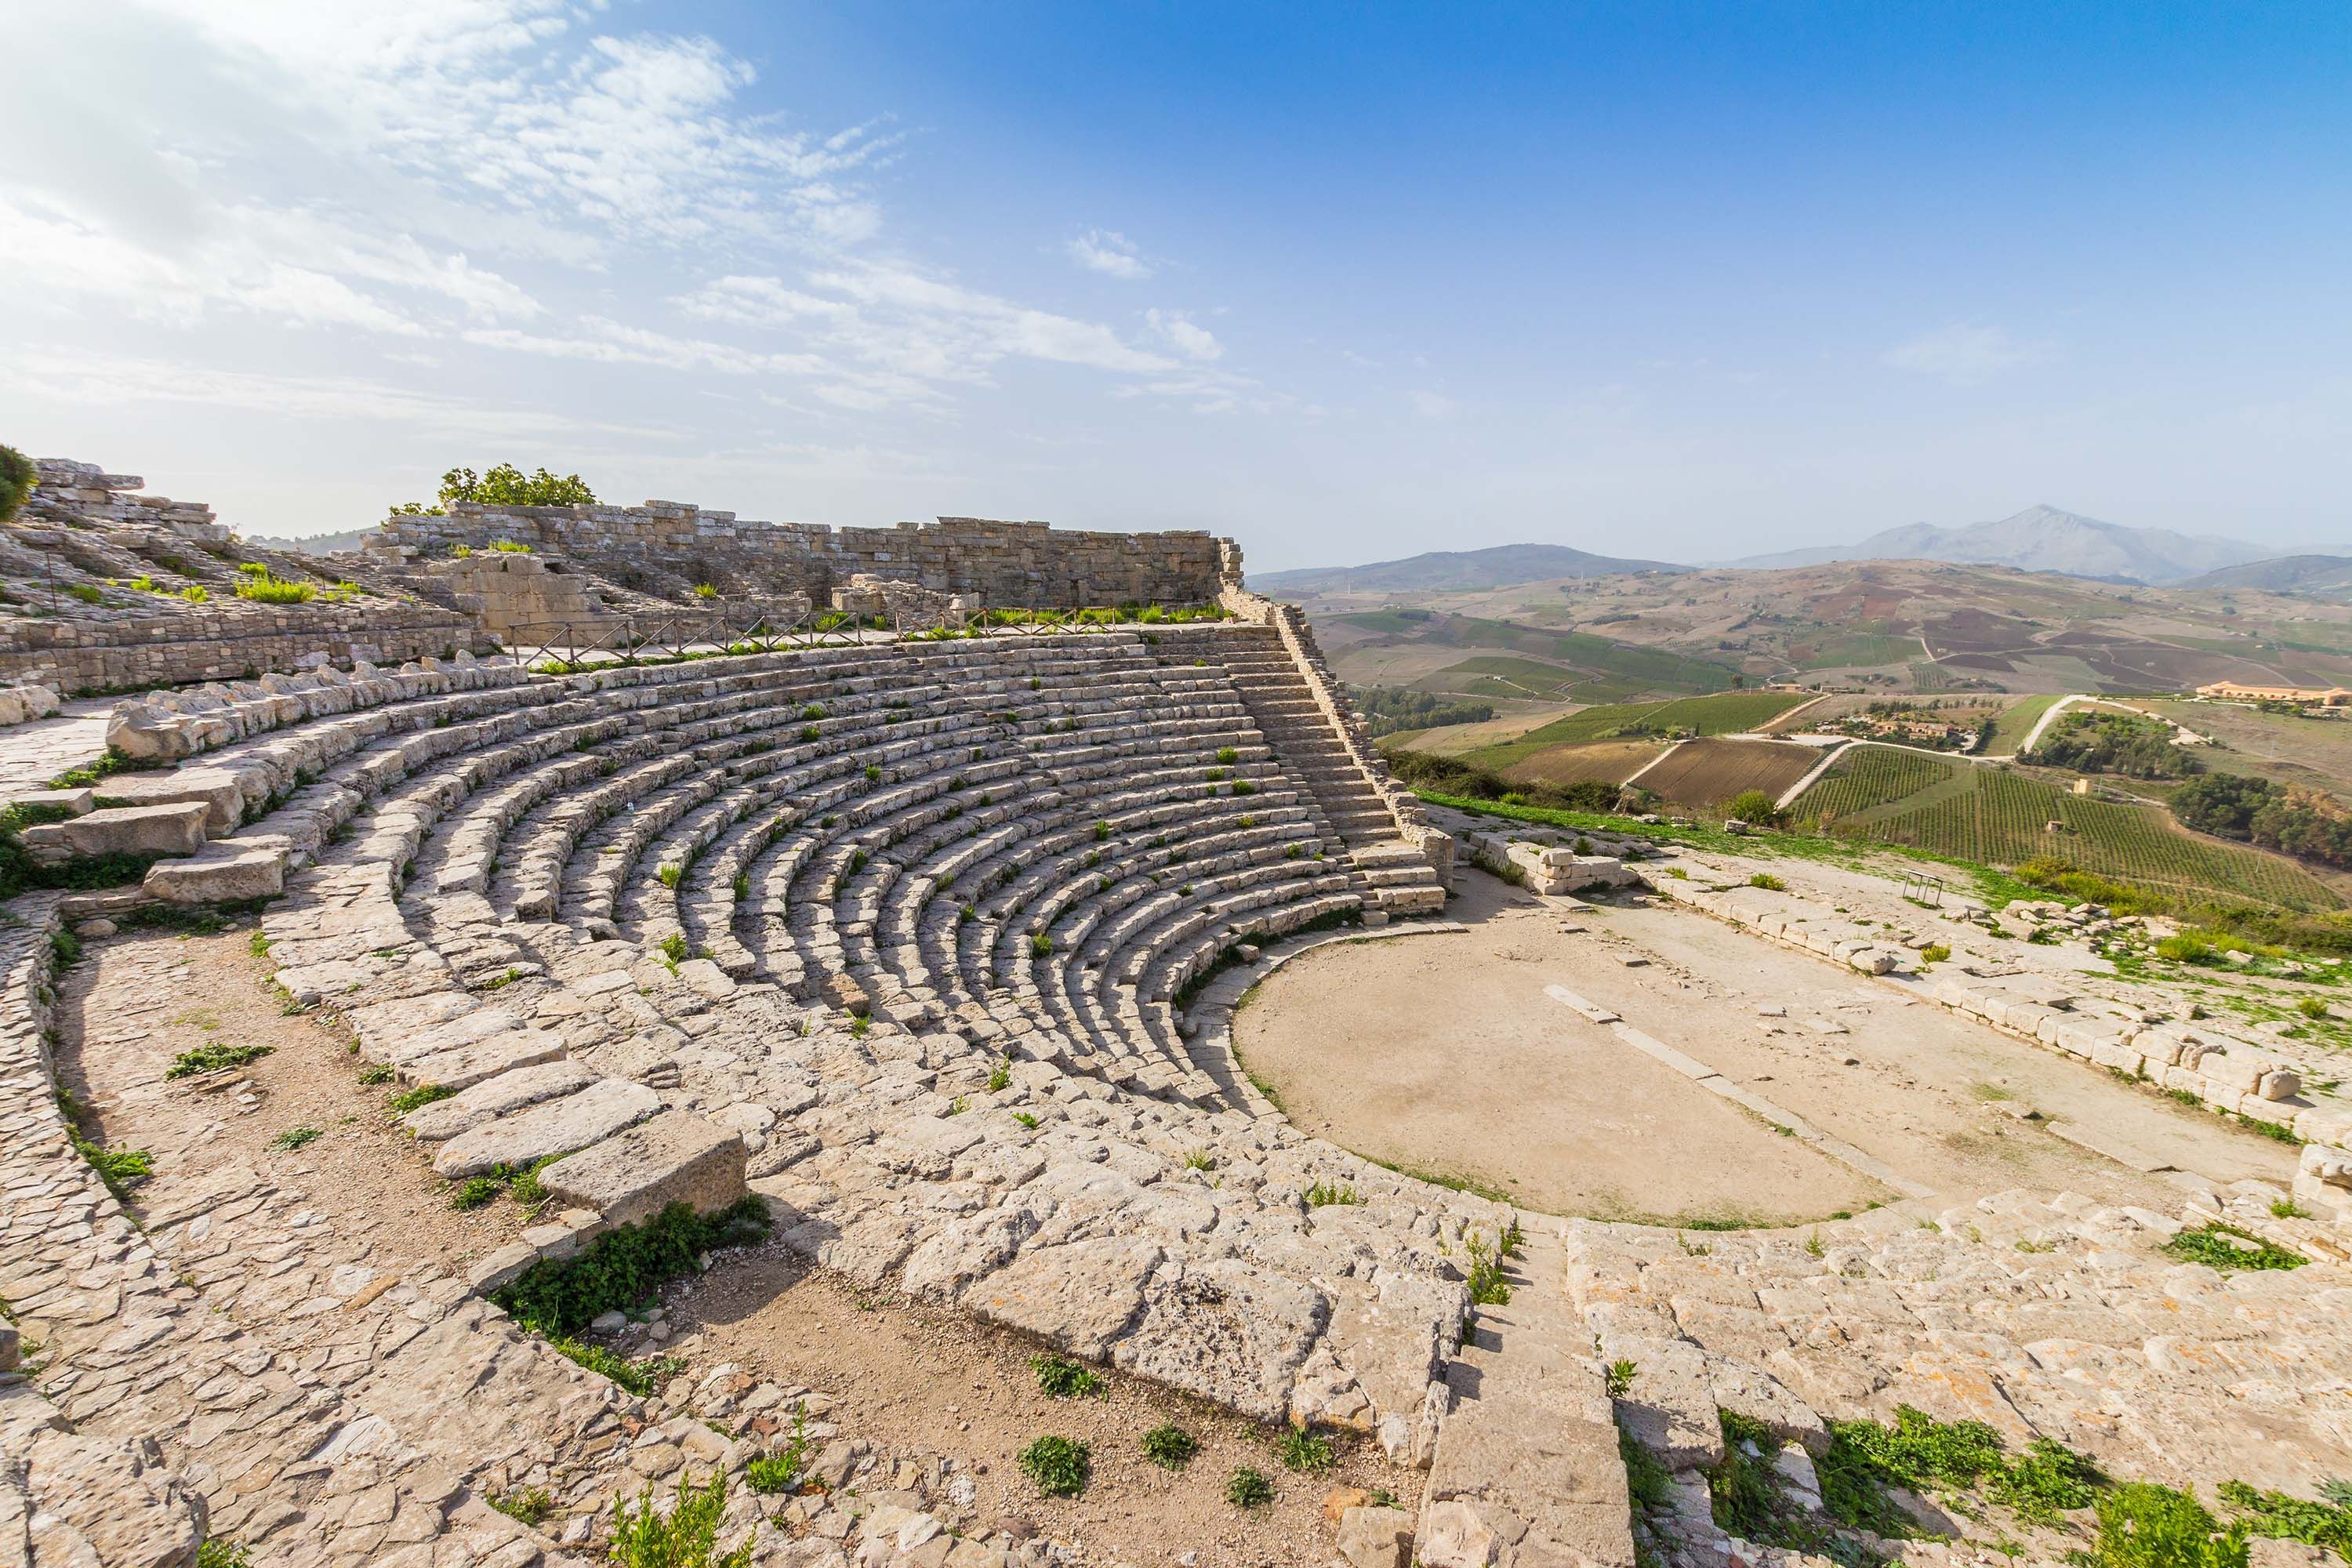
x=2114, y=743
x=17, y=478
x=504, y=485
x=1753, y=805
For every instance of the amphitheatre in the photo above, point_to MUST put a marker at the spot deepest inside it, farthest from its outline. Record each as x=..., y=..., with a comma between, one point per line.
x=945, y=1044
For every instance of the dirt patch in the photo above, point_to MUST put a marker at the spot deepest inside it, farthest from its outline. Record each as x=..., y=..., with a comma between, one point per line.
x=135, y=1003
x=1443, y=1053
x=913, y=1379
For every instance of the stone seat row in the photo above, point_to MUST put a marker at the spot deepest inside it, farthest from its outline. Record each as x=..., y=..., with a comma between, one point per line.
x=491, y=783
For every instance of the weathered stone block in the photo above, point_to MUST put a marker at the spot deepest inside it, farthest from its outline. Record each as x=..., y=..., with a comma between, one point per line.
x=634, y=1175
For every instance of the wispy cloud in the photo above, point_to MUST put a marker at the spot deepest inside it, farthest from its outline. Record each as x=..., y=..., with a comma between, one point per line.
x=1962, y=355
x=1431, y=404
x=78, y=376
x=1185, y=336
x=1111, y=253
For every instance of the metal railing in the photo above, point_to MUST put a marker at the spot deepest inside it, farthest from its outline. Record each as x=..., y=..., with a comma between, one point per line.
x=731, y=627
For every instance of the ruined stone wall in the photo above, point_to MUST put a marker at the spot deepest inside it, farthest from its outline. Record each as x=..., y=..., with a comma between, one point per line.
x=667, y=547
x=78, y=656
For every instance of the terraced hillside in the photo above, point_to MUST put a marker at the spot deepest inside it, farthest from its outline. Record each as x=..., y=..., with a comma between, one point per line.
x=1995, y=816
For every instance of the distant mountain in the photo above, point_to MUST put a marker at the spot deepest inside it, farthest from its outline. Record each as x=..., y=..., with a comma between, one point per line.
x=1444, y=569
x=2039, y=538
x=2287, y=575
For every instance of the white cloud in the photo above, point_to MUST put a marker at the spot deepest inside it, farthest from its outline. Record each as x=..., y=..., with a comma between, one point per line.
x=78, y=376
x=1193, y=341
x=1110, y=252
x=1963, y=354
x=1431, y=405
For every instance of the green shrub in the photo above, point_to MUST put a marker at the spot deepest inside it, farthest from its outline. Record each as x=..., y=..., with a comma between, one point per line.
x=296, y=1138
x=1935, y=952
x=1170, y=1447
x=1061, y=1378
x=557, y=1297
x=670, y=875
x=639, y=1377
x=1227, y=756
x=1059, y=1466
x=2142, y=1525
x=268, y=590
x=781, y=1471
x=687, y=1537
x=218, y=1553
x=1620, y=1378
x=1769, y=882
x=1324, y=1195
x=86, y=594
x=1247, y=1488
x=18, y=476
x=1753, y=805
x=1040, y=945
x=705, y=591
x=2328, y=1525
x=673, y=947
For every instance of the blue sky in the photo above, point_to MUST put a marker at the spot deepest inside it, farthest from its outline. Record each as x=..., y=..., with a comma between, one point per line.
x=1673, y=282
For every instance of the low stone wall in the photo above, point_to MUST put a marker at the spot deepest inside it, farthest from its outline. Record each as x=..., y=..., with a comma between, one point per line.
x=668, y=547
x=88, y=656
x=2225, y=1073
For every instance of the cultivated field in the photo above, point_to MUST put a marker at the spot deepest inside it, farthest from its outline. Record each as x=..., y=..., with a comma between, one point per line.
x=1708, y=772
x=2316, y=753
x=1724, y=713
x=1997, y=817
x=1612, y=761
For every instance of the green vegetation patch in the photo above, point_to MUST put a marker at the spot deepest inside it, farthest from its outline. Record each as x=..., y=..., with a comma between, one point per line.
x=2229, y=1249
x=557, y=1298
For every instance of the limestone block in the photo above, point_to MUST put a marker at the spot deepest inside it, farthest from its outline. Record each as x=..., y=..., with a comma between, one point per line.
x=552, y=1127
x=1376, y=1537
x=1669, y=1408
x=222, y=874
x=167, y=830
x=634, y=1174
x=221, y=792
x=72, y=802
x=105, y=1500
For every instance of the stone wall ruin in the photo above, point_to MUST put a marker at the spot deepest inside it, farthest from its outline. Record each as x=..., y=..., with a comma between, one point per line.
x=669, y=548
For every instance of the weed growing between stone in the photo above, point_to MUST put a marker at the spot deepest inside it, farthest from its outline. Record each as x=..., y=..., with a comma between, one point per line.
x=781, y=1471
x=684, y=1538
x=213, y=1059
x=528, y=1506
x=2226, y=1247
x=408, y=1099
